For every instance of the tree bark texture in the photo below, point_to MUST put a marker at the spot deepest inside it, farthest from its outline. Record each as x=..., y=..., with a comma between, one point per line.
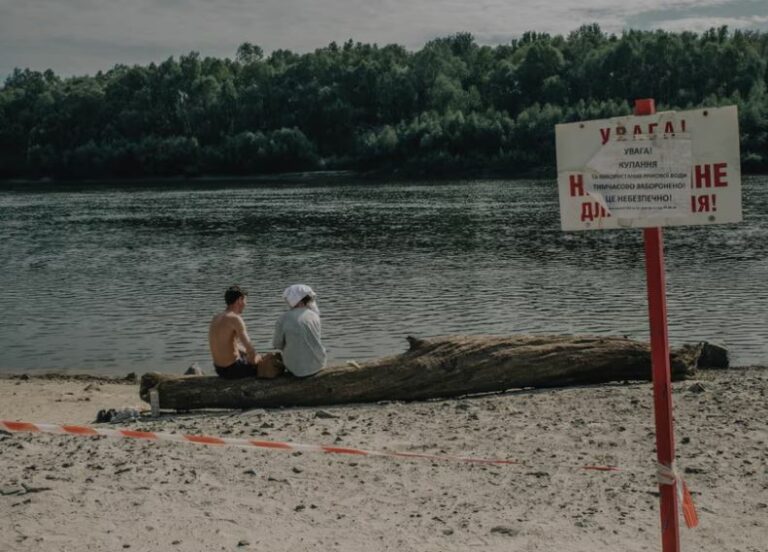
x=438, y=367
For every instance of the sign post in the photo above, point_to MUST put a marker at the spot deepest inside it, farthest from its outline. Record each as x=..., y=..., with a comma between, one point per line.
x=662, y=388
x=648, y=171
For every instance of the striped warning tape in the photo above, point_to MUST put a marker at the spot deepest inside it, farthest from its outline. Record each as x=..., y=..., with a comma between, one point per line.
x=667, y=475
x=88, y=431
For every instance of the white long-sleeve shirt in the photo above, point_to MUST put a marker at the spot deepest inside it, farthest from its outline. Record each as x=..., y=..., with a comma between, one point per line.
x=297, y=335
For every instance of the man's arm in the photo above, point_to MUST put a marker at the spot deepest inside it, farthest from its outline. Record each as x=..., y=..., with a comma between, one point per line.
x=242, y=337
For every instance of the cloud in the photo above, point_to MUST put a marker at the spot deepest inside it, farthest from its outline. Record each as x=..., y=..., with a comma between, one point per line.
x=741, y=14
x=82, y=36
x=701, y=24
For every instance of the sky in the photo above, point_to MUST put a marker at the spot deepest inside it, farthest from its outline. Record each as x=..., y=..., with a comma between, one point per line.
x=76, y=37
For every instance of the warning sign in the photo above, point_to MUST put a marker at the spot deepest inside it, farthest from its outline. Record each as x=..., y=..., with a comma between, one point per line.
x=666, y=169
x=647, y=177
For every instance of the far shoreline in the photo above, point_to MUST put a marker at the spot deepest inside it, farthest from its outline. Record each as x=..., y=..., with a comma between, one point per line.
x=292, y=178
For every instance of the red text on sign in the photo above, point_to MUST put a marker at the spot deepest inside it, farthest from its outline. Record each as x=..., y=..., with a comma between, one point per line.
x=651, y=128
x=707, y=176
x=704, y=203
x=576, y=184
x=592, y=211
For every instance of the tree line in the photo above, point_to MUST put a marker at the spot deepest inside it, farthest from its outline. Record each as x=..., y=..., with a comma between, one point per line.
x=451, y=108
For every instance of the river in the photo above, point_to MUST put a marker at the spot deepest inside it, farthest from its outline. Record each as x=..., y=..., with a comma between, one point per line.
x=117, y=278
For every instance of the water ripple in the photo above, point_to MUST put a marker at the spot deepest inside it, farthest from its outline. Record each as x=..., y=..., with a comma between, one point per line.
x=115, y=279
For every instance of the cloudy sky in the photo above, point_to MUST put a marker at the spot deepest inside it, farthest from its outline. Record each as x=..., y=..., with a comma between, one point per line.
x=84, y=36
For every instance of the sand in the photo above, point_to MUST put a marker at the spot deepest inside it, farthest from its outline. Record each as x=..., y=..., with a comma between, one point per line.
x=65, y=493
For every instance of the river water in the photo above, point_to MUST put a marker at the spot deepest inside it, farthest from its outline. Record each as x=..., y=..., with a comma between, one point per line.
x=119, y=278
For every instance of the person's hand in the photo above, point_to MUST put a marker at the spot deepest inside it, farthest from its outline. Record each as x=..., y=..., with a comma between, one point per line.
x=257, y=358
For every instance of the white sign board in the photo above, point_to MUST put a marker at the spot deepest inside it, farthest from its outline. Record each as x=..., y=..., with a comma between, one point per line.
x=668, y=169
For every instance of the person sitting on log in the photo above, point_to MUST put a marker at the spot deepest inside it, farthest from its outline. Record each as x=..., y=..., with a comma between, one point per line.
x=297, y=332
x=233, y=353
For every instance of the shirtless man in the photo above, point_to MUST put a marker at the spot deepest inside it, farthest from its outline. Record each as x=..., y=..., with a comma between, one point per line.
x=233, y=354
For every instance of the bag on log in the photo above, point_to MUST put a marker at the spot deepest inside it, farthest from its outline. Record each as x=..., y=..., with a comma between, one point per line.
x=270, y=366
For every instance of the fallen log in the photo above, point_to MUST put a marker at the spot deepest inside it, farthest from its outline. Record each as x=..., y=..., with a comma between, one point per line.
x=438, y=367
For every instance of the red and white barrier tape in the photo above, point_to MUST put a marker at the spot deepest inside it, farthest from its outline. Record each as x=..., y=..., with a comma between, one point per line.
x=668, y=475
x=88, y=431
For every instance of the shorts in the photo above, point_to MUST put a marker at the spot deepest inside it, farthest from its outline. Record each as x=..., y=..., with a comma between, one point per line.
x=239, y=369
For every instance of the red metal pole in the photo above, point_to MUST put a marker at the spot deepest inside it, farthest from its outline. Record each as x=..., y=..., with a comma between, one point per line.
x=662, y=389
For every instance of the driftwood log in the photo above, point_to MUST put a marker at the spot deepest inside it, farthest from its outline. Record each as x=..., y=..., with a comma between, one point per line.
x=432, y=368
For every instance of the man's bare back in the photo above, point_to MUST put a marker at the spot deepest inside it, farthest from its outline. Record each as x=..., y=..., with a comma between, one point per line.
x=233, y=354
x=228, y=339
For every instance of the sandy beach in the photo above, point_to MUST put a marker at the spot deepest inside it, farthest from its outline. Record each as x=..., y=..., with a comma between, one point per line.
x=66, y=493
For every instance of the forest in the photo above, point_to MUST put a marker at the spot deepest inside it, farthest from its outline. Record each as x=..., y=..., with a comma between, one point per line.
x=453, y=108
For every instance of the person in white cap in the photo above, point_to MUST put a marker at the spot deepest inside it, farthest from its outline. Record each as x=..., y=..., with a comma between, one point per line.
x=297, y=332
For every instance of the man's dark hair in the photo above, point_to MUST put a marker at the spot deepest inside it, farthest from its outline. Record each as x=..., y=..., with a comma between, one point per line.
x=234, y=293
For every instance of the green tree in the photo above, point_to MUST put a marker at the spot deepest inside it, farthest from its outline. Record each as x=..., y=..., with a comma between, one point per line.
x=248, y=53
x=448, y=107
